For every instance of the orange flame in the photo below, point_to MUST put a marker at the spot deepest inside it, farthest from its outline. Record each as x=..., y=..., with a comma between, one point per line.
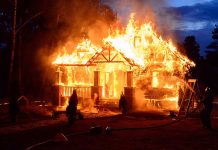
x=80, y=55
x=139, y=43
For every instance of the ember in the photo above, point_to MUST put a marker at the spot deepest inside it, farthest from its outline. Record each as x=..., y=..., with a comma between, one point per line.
x=132, y=59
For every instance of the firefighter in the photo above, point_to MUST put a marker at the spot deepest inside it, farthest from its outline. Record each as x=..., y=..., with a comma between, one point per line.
x=205, y=113
x=71, y=110
x=123, y=104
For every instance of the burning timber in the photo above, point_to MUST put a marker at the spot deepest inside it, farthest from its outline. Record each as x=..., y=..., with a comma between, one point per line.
x=135, y=61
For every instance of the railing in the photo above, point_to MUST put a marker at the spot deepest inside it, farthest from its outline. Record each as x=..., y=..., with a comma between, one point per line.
x=82, y=91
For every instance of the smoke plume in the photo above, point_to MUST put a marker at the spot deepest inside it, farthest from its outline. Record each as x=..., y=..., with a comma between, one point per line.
x=154, y=11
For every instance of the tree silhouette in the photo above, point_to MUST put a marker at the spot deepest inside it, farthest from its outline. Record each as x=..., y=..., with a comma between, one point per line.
x=192, y=48
x=212, y=55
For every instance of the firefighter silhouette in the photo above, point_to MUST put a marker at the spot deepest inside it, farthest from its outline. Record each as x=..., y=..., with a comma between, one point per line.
x=205, y=113
x=123, y=104
x=71, y=110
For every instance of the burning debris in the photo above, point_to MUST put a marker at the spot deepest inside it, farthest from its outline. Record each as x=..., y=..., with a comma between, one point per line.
x=132, y=59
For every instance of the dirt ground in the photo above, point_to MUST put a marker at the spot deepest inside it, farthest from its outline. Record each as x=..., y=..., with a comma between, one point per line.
x=138, y=131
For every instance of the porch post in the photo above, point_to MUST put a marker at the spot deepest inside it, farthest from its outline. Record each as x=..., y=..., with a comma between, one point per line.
x=129, y=91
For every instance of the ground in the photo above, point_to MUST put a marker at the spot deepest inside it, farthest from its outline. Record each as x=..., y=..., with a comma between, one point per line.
x=141, y=130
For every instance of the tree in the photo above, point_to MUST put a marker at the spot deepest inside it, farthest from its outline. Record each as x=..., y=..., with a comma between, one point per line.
x=192, y=48
x=212, y=55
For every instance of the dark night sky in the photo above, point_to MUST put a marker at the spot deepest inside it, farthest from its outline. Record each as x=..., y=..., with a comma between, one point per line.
x=183, y=17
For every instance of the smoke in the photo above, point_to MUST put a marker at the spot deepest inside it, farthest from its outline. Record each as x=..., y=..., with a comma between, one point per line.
x=84, y=19
x=159, y=98
x=66, y=23
x=69, y=20
x=142, y=104
x=97, y=32
x=154, y=11
x=88, y=105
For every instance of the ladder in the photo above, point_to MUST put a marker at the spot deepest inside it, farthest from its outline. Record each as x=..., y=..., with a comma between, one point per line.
x=189, y=98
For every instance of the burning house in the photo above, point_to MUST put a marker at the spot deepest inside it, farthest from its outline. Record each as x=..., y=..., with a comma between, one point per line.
x=128, y=60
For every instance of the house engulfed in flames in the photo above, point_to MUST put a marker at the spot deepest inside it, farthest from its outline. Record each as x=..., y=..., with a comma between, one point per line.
x=129, y=60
